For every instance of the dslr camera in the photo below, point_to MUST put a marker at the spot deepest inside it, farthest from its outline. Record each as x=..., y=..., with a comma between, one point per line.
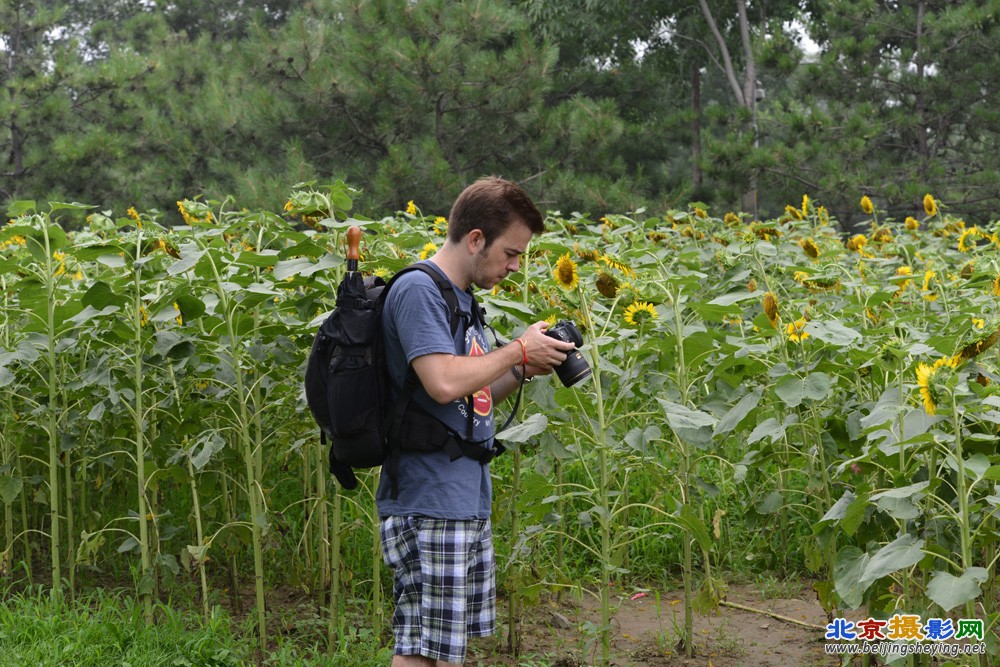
x=575, y=367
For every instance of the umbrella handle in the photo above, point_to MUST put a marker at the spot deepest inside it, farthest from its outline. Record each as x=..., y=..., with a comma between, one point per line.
x=353, y=242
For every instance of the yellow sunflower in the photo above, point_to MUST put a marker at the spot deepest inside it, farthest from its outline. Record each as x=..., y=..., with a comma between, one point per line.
x=805, y=204
x=639, y=312
x=928, y=277
x=928, y=377
x=866, y=205
x=911, y=223
x=930, y=206
x=809, y=247
x=965, y=244
x=770, y=303
x=794, y=212
x=985, y=342
x=618, y=265
x=904, y=271
x=427, y=250
x=796, y=331
x=996, y=286
x=565, y=273
x=857, y=242
x=411, y=208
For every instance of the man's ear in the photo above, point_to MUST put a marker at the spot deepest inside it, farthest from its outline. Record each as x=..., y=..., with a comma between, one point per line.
x=475, y=240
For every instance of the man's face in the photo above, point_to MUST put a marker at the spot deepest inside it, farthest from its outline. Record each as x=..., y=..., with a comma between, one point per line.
x=494, y=262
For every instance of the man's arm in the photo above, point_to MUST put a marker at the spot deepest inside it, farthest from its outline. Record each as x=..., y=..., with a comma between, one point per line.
x=448, y=377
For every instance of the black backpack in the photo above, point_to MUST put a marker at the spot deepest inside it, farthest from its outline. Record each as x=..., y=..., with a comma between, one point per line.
x=347, y=385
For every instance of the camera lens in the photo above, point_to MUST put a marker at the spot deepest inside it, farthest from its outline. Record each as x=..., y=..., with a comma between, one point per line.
x=575, y=367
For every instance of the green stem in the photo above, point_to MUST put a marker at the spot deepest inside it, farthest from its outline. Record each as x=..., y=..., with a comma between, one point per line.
x=603, y=489
x=963, y=501
x=513, y=638
x=53, y=396
x=335, y=564
x=145, y=582
x=253, y=481
x=685, y=480
x=199, y=533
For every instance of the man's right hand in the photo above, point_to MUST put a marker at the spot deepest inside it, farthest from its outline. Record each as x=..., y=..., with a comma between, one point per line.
x=544, y=353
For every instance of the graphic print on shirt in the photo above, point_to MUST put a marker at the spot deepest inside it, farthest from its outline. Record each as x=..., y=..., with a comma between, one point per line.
x=482, y=400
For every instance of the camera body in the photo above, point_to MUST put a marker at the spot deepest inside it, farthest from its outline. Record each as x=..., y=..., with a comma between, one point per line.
x=575, y=367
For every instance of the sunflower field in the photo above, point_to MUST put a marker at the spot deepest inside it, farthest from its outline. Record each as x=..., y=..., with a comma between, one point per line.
x=769, y=396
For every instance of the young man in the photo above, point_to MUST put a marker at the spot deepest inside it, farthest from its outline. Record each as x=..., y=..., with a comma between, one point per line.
x=435, y=529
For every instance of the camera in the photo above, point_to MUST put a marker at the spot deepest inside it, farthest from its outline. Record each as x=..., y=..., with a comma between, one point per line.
x=575, y=367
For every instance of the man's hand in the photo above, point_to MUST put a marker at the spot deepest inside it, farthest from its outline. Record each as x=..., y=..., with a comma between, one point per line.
x=544, y=353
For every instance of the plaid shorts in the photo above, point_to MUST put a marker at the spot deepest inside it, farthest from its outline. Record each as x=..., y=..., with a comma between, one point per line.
x=444, y=584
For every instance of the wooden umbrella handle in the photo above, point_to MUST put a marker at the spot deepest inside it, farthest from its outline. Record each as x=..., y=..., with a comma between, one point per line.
x=353, y=243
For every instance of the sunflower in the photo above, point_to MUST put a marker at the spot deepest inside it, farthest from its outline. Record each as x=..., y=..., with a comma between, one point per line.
x=440, y=226
x=639, y=312
x=427, y=250
x=752, y=284
x=770, y=303
x=565, y=273
x=970, y=232
x=911, y=223
x=930, y=206
x=928, y=277
x=411, y=208
x=857, y=242
x=882, y=235
x=904, y=271
x=805, y=204
x=977, y=347
x=700, y=212
x=996, y=286
x=731, y=219
x=866, y=205
x=617, y=265
x=794, y=212
x=928, y=377
x=586, y=255
x=796, y=331
x=809, y=247
x=607, y=285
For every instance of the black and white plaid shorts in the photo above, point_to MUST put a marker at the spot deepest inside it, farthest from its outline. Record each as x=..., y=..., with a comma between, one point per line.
x=444, y=584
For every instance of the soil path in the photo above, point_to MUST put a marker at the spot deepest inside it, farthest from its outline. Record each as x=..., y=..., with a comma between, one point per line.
x=646, y=632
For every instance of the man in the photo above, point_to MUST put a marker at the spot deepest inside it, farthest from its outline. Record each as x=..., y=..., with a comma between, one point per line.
x=436, y=531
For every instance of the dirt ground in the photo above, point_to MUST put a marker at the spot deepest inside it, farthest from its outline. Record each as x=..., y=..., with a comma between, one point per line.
x=559, y=633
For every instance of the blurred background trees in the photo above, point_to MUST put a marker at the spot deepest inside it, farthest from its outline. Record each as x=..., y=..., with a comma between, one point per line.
x=593, y=105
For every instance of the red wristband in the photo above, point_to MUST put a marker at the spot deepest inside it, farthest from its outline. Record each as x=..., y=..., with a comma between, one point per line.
x=524, y=351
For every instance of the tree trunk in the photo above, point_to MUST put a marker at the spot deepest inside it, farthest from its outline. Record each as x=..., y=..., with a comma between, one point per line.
x=696, y=175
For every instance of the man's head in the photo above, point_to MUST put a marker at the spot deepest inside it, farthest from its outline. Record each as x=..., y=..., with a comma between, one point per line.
x=491, y=205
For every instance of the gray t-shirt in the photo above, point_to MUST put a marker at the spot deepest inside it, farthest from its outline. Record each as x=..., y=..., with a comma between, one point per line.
x=416, y=322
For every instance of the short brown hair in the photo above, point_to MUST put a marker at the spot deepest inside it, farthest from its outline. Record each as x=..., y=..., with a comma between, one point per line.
x=492, y=204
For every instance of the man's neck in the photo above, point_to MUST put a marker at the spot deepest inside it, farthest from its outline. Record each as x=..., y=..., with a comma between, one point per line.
x=451, y=264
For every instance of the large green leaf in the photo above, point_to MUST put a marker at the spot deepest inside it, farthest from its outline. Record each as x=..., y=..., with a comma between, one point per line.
x=10, y=487
x=833, y=332
x=526, y=430
x=681, y=417
x=848, y=568
x=794, y=390
x=949, y=591
x=738, y=412
x=903, y=552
